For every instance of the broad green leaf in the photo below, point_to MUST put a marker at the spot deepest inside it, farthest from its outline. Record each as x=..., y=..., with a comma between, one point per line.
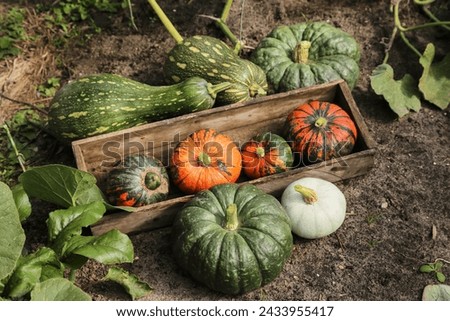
x=12, y=236
x=61, y=185
x=63, y=224
x=401, y=95
x=29, y=271
x=22, y=202
x=58, y=289
x=130, y=282
x=435, y=81
x=113, y=247
x=436, y=292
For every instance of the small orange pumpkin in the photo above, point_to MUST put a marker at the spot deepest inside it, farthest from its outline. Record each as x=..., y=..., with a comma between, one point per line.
x=320, y=131
x=204, y=159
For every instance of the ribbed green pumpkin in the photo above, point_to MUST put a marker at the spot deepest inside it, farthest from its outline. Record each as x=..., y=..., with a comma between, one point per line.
x=104, y=103
x=306, y=54
x=213, y=60
x=232, y=238
x=138, y=180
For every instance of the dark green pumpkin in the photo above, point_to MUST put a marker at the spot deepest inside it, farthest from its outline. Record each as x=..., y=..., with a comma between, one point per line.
x=213, y=60
x=232, y=238
x=138, y=180
x=306, y=54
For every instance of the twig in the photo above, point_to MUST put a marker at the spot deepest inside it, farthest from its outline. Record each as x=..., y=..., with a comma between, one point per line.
x=131, y=15
x=24, y=103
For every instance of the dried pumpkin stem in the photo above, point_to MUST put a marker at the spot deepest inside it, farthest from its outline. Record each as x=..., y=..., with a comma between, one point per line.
x=204, y=159
x=301, y=52
x=309, y=195
x=231, y=218
x=152, y=181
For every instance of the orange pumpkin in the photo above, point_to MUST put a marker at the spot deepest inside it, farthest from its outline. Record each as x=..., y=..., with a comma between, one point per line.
x=266, y=154
x=320, y=130
x=205, y=159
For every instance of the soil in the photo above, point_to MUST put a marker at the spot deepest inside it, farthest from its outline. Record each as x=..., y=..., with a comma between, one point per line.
x=398, y=214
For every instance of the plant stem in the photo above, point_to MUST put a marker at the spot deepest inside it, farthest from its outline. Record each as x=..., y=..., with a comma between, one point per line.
x=19, y=156
x=389, y=45
x=434, y=18
x=166, y=22
x=226, y=11
x=409, y=44
x=402, y=30
x=72, y=275
x=131, y=15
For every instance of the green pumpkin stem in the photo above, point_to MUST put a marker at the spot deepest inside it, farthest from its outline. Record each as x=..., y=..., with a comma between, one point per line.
x=309, y=195
x=204, y=159
x=152, y=181
x=301, y=52
x=260, y=151
x=213, y=90
x=321, y=122
x=256, y=90
x=231, y=218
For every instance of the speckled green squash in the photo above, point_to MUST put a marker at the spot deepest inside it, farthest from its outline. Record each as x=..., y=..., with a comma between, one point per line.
x=138, y=180
x=306, y=54
x=212, y=59
x=232, y=238
x=104, y=103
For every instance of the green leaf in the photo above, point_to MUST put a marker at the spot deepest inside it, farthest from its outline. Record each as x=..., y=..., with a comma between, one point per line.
x=435, y=81
x=426, y=268
x=22, y=202
x=436, y=292
x=12, y=236
x=58, y=289
x=63, y=224
x=112, y=247
x=130, y=282
x=61, y=185
x=401, y=95
x=440, y=277
x=29, y=271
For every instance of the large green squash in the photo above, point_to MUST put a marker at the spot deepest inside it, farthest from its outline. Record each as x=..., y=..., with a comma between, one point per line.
x=232, y=238
x=103, y=103
x=213, y=60
x=306, y=54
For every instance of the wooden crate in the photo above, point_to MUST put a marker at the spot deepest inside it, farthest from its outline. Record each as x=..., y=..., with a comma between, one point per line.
x=241, y=121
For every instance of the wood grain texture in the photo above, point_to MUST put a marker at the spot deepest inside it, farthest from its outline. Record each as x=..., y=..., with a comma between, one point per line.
x=241, y=121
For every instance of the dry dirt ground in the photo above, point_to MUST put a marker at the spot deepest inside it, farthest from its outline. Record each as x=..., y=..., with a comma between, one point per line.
x=393, y=209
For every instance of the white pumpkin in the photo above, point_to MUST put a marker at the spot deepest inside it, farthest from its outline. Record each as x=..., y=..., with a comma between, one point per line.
x=316, y=207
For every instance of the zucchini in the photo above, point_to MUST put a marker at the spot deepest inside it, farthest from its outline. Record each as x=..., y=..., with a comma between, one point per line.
x=211, y=59
x=103, y=103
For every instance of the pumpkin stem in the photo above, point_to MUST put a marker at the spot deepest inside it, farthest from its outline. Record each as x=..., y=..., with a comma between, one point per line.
x=166, y=22
x=213, y=90
x=256, y=90
x=309, y=195
x=152, y=180
x=260, y=151
x=301, y=52
x=204, y=159
x=321, y=122
x=231, y=219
